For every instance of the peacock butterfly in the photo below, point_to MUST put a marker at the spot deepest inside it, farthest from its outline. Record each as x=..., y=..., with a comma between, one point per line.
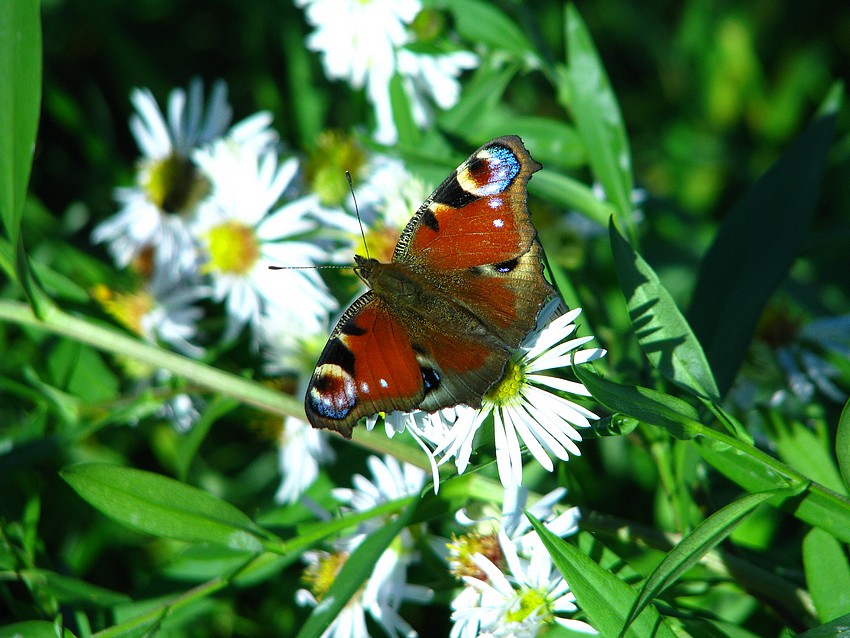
x=441, y=320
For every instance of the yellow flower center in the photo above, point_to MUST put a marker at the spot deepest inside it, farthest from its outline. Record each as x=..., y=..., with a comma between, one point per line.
x=127, y=308
x=508, y=390
x=318, y=578
x=174, y=184
x=233, y=248
x=463, y=548
x=530, y=601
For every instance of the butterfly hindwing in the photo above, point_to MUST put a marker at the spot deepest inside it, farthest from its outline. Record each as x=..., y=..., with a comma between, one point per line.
x=441, y=320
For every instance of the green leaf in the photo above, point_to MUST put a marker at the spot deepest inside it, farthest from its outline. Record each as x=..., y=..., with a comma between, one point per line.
x=485, y=23
x=679, y=418
x=663, y=333
x=408, y=132
x=72, y=591
x=754, y=249
x=569, y=193
x=838, y=627
x=480, y=96
x=705, y=537
x=842, y=444
x=34, y=628
x=163, y=507
x=597, y=115
x=80, y=370
x=354, y=573
x=600, y=594
x=20, y=99
x=827, y=574
x=817, y=505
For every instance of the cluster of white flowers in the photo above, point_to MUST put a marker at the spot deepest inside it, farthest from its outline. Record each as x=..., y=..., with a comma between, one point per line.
x=511, y=587
x=508, y=584
x=366, y=43
x=205, y=220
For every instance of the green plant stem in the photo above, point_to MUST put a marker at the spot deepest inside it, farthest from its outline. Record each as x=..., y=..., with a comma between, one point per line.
x=107, y=339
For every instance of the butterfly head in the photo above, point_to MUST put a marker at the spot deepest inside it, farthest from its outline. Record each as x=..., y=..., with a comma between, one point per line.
x=365, y=267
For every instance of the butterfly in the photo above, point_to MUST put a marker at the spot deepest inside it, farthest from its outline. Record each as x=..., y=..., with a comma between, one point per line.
x=441, y=320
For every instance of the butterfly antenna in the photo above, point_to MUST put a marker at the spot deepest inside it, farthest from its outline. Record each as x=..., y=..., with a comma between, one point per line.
x=357, y=212
x=307, y=267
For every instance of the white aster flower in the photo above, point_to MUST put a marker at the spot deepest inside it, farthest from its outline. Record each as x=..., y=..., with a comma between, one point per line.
x=390, y=481
x=433, y=80
x=387, y=587
x=511, y=587
x=156, y=213
x=243, y=233
x=530, y=594
x=162, y=311
x=523, y=405
x=362, y=42
x=302, y=450
x=386, y=201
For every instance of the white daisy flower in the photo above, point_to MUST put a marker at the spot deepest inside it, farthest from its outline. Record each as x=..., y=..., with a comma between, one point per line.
x=302, y=450
x=384, y=593
x=155, y=213
x=523, y=405
x=433, y=80
x=386, y=202
x=243, y=234
x=478, y=610
x=529, y=595
x=387, y=587
x=162, y=311
x=362, y=42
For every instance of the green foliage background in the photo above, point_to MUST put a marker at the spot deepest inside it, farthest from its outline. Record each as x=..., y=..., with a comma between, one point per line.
x=711, y=96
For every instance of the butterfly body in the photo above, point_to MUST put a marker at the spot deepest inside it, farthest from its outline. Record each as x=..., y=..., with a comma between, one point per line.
x=441, y=320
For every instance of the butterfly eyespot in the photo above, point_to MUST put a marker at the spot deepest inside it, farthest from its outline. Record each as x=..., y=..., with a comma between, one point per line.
x=332, y=392
x=490, y=172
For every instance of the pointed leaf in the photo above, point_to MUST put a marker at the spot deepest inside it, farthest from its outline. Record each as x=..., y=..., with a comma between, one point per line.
x=161, y=506
x=664, y=335
x=679, y=418
x=705, y=537
x=485, y=23
x=20, y=98
x=838, y=627
x=756, y=246
x=605, y=598
x=827, y=574
x=817, y=505
x=842, y=444
x=597, y=116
